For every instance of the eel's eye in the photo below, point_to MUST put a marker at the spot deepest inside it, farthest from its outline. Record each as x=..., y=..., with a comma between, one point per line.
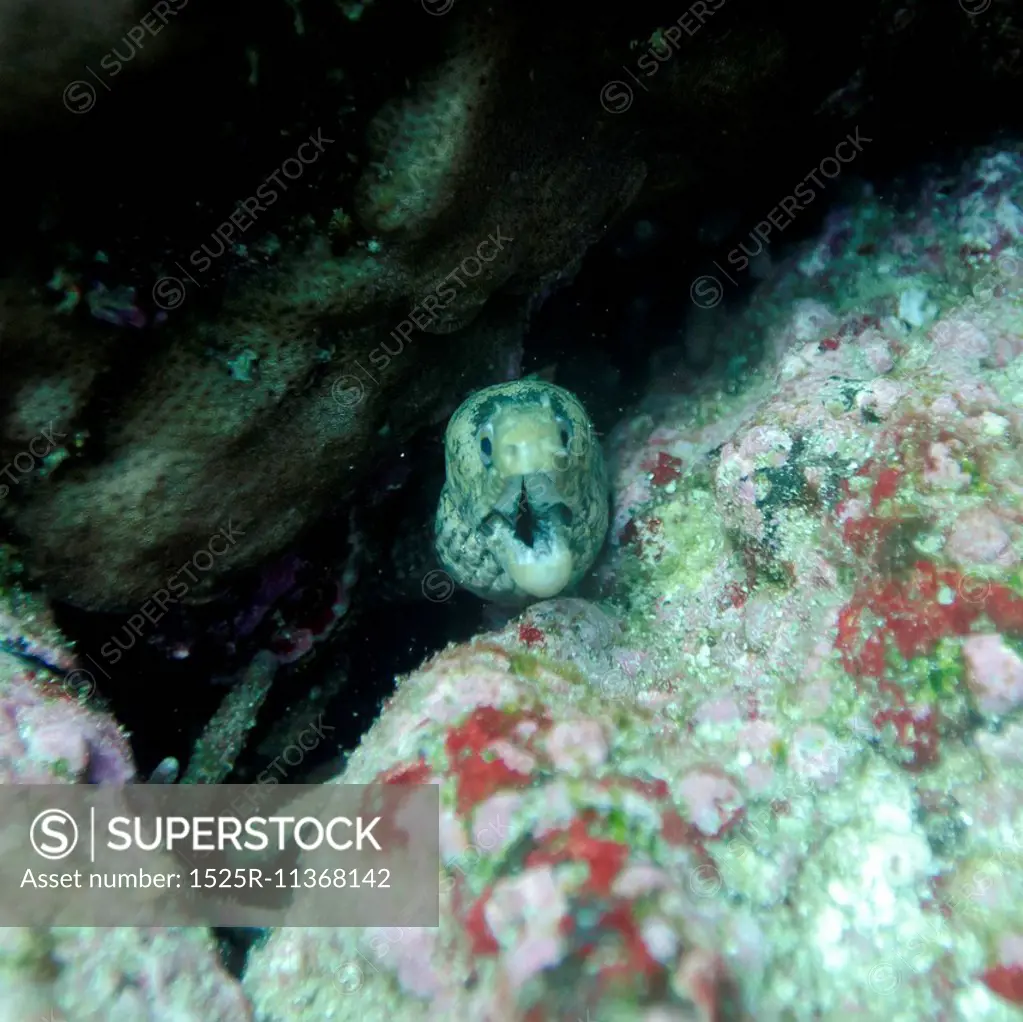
x=566, y=431
x=486, y=444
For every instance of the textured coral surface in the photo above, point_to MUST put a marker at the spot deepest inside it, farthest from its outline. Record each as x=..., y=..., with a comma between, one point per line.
x=49, y=734
x=120, y=975
x=329, y=348
x=776, y=771
x=240, y=338
x=776, y=776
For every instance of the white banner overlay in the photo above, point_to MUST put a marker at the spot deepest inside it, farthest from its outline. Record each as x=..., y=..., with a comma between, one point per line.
x=219, y=855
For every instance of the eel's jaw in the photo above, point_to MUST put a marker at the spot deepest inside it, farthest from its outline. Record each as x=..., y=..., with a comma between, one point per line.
x=542, y=570
x=528, y=536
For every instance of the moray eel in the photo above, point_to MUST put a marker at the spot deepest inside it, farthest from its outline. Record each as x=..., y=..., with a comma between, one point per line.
x=524, y=508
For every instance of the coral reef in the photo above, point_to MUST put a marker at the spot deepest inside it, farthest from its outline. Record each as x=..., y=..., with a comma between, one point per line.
x=566, y=886
x=223, y=738
x=118, y=975
x=50, y=735
x=775, y=771
x=314, y=370
x=27, y=627
x=780, y=780
x=379, y=266
x=52, y=728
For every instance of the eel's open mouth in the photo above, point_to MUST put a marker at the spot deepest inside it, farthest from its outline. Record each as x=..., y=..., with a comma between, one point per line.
x=528, y=533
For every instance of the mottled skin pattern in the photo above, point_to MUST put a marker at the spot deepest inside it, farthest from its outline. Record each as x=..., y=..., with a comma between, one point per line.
x=524, y=508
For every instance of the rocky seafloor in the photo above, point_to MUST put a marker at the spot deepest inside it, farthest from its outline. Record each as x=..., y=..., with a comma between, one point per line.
x=773, y=770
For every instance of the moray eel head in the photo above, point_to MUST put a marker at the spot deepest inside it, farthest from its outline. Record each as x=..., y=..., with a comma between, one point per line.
x=524, y=507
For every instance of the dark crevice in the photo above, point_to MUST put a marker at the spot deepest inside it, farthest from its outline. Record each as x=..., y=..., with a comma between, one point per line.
x=524, y=519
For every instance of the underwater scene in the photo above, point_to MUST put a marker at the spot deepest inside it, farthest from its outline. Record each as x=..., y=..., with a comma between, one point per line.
x=511, y=513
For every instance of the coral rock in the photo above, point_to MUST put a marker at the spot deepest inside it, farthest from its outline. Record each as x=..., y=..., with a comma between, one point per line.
x=49, y=735
x=994, y=672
